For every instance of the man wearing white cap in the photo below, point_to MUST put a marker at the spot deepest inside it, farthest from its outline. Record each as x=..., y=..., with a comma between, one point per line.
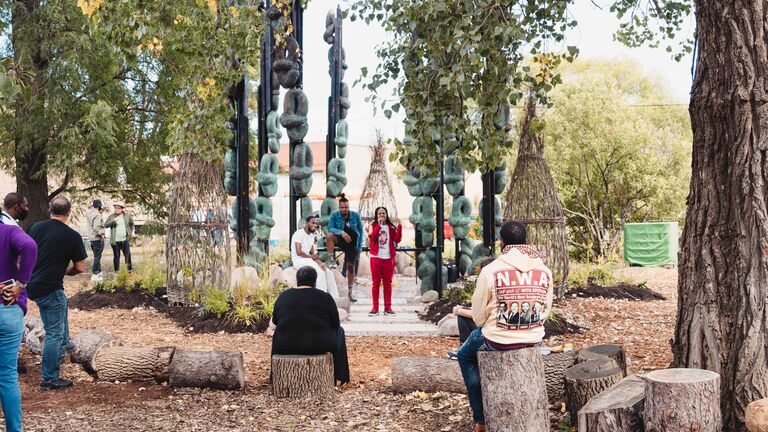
x=121, y=229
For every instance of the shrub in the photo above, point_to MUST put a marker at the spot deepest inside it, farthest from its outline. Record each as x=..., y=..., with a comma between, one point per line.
x=245, y=314
x=104, y=287
x=462, y=295
x=580, y=275
x=215, y=302
x=122, y=278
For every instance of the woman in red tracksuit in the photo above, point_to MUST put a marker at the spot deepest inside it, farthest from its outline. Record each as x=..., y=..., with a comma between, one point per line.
x=383, y=236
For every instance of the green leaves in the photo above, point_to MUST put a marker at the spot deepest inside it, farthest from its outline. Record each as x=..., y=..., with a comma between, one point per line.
x=454, y=63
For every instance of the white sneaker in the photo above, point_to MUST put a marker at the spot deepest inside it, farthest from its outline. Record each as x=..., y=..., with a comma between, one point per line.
x=94, y=278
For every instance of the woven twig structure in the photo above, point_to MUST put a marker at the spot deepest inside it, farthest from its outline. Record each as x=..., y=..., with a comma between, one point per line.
x=377, y=191
x=532, y=199
x=197, y=245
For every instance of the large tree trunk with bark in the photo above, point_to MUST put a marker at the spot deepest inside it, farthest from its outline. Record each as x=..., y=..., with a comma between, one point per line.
x=427, y=374
x=87, y=344
x=722, y=322
x=611, y=351
x=555, y=365
x=514, y=390
x=682, y=400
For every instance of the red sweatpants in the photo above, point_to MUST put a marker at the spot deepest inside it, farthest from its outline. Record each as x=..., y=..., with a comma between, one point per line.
x=382, y=269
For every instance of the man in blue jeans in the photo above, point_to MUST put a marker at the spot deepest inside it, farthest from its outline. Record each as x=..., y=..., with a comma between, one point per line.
x=57, y=245
x=517, y=276
x=18, y=253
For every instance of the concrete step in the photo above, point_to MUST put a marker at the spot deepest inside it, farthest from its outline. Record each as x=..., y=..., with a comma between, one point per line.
x=389, y=329
x=400, y=318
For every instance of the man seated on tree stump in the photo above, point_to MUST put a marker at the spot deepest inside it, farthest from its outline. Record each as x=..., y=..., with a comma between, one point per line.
x=517, y=276
x=345, y=231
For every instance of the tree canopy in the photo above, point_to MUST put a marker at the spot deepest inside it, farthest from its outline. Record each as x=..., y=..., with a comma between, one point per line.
x=619, y=152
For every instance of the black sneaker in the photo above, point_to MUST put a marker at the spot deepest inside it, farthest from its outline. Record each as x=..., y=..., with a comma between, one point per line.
x=453, y=355
x=373, y=312
x=55, y=384
x=389, y=312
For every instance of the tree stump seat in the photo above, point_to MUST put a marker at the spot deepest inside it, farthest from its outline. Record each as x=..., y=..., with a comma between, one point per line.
x=302, y=376
x=514, y=390
x=682, y=400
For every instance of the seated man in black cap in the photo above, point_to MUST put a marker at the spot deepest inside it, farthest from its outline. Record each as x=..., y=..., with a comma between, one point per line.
x=96, y=237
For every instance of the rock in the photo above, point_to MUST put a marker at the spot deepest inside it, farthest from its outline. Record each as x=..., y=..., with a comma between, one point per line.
x=245, y=275
x=343, y=303
x=341, y=282
x=409, y=271
x=275, y=275
x=430, y=296
x=365, y=266
x=449, y=326
x=34, y=334
x=271, y=329
x=756, y=416
x=445, y=318
x=343, y=290
x=343, y=315
x=289, y=277
x=416, y=300
x=402, y=261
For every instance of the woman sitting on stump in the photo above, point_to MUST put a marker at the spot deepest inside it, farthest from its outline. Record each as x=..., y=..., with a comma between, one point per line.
x=517, y=276
x=307, y=323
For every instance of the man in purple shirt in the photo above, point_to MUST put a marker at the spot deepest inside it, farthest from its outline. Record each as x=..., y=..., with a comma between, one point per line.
x=18, y=254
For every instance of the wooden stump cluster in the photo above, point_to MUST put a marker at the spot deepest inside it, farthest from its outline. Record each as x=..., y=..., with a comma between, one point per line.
x=297, y=376
x=585, y=380
x=103, y=355
x=514, y=390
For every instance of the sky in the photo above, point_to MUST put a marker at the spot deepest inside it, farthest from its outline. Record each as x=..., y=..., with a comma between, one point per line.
x=593, y=36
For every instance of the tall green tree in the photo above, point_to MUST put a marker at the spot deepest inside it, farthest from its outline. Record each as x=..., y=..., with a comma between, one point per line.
x=618, y=151
x=457, y=65
x=105, y=89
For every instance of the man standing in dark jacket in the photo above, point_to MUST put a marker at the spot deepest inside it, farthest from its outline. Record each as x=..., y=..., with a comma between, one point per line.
x=57, y=245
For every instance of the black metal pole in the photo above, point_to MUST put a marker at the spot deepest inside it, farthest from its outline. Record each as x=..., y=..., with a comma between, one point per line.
x=440, y=216
x=298, y=34
x=489, y=210
x=265, y=97
x=243, y=177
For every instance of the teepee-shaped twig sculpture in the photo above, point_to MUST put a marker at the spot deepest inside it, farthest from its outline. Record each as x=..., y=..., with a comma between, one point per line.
x=532, y=199
x=377, y=191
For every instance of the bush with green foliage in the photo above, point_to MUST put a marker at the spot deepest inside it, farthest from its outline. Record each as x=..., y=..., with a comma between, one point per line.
x=215, y=302
x=581, y=274
x=104, y=286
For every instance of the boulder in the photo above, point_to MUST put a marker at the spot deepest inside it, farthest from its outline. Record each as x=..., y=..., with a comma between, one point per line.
x=245, y=275
x=430, y=296
x=34, y=334
x=271, y=329
x=365, y=266
x=756, y=416
x=402, y=261
x=275, y=275
x=448, y=326
x=343, y=303
x=409, y=271
x=289, y=276
x=343, y=315
x=416, y=300
x=341, y=281
x=343, y=290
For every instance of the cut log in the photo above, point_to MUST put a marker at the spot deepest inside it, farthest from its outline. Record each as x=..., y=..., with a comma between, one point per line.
x=615, y=352
x=296, y=376
x=514, y=391
x=119, y=363
x=555, y=365
x=583, y=381
x=617, y=409
x=682, y=400
x=756, y=416
x=223, y=370
x=87, y=343
x=427, y=374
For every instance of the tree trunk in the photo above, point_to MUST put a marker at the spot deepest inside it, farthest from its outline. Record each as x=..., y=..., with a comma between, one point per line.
x=586, y=380
x=722, y=321
x=613, y=352
x=87, y=344
x=29, y=146
x=682, y=400
x=296, y=376
x=135, y=364
x=617, y=409
x=427, y=374
x=555, y=366
x=514, y=391
x=223, y=370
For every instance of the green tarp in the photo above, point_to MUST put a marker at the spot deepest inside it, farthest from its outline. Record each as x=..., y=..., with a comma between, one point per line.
x=651, y=243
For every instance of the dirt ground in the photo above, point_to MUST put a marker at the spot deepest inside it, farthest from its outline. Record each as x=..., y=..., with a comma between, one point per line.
x=367, y=404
